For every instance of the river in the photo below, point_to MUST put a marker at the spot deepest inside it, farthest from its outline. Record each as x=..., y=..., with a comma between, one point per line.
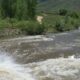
x=42, y=57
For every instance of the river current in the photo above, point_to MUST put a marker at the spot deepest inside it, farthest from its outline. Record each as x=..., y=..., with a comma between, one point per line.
x=49, y=57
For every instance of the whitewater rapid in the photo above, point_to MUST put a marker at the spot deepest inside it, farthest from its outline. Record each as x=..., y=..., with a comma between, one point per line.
x=49, y=57
x=10, y=70
x=51, y=69
x=57, y=69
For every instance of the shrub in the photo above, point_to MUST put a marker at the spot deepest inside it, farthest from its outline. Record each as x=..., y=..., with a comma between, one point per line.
x=59, y=27
x=4, y=24
x=31, y=28
x=63, y=12
x=74, y=15
x=25, y=27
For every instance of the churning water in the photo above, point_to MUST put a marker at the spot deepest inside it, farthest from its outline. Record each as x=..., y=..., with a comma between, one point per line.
x=57, y=57
x=9, y=70
x=51, y=69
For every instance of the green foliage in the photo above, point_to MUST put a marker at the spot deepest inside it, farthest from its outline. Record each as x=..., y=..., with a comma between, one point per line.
x=52, y=5
x=33, y=28
x=59, y=23
x=74, y=14
x=4, y=24
x=31, y=7
x=20, y=9
x=8, y=8
x=63, y=12
x=21, y=15
x=25, y=27
x=58, y=27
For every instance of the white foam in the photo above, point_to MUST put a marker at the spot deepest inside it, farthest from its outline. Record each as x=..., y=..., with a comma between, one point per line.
x=51, y=69
x=9, y=70
x=57, y=69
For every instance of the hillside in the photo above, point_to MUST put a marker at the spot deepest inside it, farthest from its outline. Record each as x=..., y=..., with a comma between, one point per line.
x=51, y=5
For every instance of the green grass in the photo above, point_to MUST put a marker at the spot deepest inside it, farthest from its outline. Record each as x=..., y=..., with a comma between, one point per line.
x=52, y=5
x=66, y=22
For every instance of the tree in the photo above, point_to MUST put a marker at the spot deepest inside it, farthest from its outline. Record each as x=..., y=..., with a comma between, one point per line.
x=20, y=9
x=31, y=8
x=8, y=8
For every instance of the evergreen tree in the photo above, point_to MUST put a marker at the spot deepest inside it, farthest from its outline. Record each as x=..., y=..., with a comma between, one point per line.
x=31, y=8
x=20, y=9
x=8, y=8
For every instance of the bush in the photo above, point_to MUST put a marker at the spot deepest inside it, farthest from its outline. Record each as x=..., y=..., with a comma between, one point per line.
x=74, y=15
x=25, y=27
x=31, y=27
x=59, y=27
x=4, y=24
x=63, y=12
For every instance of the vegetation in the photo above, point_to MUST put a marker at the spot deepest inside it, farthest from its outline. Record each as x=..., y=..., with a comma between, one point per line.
x=21, y=15
x=61, y=21
x=30, y=27
x=53, y=5
x=20, y=9
x=18, y=17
